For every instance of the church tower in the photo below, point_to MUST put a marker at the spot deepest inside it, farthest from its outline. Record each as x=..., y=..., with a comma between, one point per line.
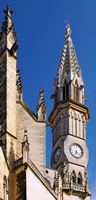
x=68, y=119
x=8, y=47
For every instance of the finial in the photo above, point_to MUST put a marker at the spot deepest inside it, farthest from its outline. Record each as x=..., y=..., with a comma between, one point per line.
x=8, y=11
x=67, y=21
x=41, y=94
x=25, y=138
x=25, y=147
x=41, y=107
x=68, y=31
x=41, y=98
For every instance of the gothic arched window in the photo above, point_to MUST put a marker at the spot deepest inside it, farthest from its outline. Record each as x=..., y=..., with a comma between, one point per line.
x=73, y=176
x=76, y=91
x=79, y=179
x=65, y=91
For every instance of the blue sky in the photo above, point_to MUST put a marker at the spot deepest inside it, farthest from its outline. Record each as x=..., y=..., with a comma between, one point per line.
x=40, y=27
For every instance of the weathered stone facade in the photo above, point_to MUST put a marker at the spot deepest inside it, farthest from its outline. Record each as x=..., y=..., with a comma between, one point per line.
x=68, y=119
x=23, y=172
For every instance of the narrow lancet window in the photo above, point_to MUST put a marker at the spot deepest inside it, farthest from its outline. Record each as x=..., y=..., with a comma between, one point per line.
x=79, y=180
x=73, y=177
x=65, y=91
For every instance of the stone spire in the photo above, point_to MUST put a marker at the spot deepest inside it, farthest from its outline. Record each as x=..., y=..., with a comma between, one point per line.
x=69, y=65
x=41, y=107
x=69, y=80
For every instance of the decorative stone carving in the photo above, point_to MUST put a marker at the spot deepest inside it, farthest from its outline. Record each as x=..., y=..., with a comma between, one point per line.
x=67, y=66
x=18, y=81
x=64, y=172
x=25, y=147
x=41, y=107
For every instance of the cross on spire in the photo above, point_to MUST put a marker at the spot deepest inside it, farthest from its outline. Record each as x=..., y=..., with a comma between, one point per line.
x=8, y=24
x=8, y=11
x=7, y=27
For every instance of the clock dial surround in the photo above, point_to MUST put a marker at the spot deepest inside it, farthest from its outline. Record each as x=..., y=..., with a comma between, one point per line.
x=76, y=150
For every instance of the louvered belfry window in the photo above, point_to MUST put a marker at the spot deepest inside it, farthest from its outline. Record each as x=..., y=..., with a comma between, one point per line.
x=65, y=91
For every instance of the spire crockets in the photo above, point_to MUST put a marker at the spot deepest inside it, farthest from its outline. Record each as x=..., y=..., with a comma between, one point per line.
x=19, y=85
x=69, y=69
x=68, y=62
x=41, y=108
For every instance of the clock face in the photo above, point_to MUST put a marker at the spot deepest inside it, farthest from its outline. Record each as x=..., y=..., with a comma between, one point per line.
x=76, y=150
x=57, y=154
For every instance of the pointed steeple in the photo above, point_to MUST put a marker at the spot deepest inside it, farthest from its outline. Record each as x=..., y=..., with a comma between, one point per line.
x=69, y=69
x=69, y=62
